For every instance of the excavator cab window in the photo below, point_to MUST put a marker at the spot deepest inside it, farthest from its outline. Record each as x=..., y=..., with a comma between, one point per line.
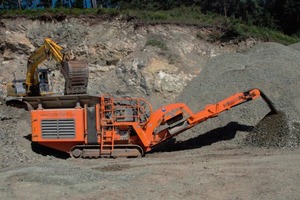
x=43, y=80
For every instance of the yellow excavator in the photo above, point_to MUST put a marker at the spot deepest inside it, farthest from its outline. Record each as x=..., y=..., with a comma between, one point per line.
x=37, y=81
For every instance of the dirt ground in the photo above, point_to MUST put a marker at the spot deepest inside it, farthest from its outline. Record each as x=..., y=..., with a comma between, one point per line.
x=218, y=171
x=213, y=165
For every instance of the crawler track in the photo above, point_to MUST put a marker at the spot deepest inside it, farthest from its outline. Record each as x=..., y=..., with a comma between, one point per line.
x=94, y=151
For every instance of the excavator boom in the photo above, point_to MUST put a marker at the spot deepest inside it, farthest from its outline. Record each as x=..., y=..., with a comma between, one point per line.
x=103, y=126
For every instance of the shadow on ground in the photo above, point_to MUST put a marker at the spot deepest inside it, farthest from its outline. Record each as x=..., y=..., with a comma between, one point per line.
x=46, y=151
x=227, y=132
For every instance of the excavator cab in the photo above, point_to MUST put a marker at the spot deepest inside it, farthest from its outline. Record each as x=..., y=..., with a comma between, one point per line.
x=44, y=81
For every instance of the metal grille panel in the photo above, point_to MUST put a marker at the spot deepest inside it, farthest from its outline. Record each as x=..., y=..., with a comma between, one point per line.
x=62, y=128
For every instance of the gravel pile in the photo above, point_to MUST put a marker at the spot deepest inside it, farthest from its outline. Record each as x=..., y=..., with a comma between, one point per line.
x=275, y=131
x=271, y=67
x=15, y=145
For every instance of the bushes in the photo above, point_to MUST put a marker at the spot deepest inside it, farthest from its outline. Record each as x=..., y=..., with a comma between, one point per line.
x=156, y=43
x=231, y=27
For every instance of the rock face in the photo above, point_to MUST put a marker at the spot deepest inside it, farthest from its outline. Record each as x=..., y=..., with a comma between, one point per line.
x=152, y=61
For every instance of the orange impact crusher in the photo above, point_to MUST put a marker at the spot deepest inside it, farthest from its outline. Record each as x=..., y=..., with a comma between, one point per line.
x=102, y=126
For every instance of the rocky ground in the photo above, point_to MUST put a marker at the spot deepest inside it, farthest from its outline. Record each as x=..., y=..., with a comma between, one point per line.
x=239, y=155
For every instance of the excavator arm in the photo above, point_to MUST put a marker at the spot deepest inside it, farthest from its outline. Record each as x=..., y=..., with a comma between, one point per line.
x=48, y=50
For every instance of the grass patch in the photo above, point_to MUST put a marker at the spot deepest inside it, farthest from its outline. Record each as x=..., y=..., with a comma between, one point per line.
x=156, y=43
x=180, y=16
x=265, y=34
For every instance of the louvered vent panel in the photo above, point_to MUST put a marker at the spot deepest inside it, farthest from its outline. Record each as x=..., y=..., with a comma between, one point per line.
x=62, y=128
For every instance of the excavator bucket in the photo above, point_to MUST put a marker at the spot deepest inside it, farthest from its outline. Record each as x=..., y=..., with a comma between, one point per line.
x=76, y=76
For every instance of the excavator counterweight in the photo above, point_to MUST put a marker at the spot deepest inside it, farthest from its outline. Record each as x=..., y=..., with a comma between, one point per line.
x=103, y=126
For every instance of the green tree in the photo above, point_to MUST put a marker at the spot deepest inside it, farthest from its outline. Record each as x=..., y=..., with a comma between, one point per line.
x=78, y=4
x=58, y=4
x=46, y=3
x=286, y=14
x=2, y=3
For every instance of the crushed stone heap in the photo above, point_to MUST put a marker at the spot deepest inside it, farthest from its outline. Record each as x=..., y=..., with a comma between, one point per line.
x=274, y=69
x=275, y=131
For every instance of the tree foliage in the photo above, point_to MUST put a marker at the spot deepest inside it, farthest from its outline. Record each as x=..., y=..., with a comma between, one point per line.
x=58, y=4
x=46, y=3
x=281, y=14
x=78, y=3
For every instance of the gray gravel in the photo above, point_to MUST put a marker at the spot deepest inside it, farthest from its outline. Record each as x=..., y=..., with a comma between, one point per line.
x=275, y=131
x=15, y=145
x=271, y=67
